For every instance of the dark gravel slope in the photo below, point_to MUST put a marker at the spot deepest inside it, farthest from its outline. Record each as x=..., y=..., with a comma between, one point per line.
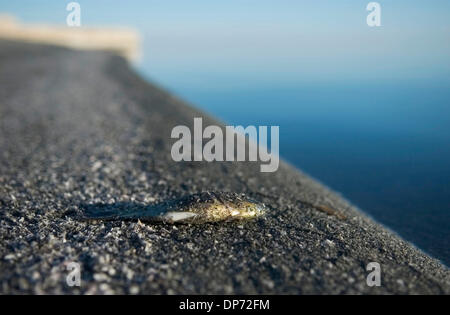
x=82, y=128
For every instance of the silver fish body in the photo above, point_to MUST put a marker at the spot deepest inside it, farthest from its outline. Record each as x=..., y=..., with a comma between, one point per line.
x=197, y=208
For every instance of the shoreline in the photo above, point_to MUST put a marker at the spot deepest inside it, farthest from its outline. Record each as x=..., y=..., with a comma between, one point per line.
x=91, y=130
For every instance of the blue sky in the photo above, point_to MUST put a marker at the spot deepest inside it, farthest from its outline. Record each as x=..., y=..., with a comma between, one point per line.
x=234, y=43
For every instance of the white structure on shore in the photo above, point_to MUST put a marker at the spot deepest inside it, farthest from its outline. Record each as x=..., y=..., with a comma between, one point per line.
x=123, y=41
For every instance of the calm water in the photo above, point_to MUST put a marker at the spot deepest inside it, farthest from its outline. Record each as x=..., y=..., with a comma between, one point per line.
x=385, y=147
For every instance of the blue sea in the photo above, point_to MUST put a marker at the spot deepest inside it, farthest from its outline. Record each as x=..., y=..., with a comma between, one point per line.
x=391, y=161
x=365, y=110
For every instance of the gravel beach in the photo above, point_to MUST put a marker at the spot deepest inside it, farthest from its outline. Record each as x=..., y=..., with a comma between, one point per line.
x=82, y=128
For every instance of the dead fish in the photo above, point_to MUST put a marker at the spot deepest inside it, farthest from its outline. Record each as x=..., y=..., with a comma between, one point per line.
x=197, y=208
